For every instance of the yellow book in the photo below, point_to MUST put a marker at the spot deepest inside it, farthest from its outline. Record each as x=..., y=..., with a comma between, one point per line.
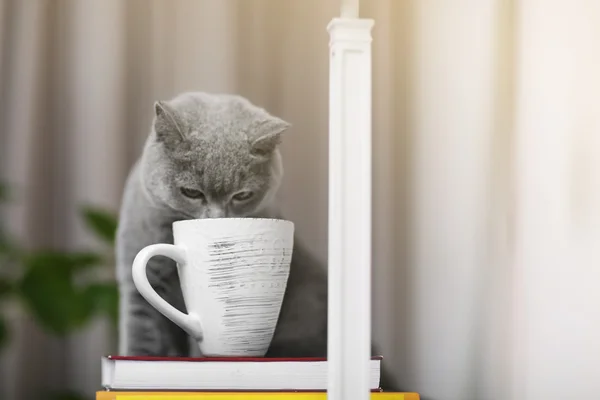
x=109, y=395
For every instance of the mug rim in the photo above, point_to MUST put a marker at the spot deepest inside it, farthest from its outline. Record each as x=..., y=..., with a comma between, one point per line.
x=277, y=220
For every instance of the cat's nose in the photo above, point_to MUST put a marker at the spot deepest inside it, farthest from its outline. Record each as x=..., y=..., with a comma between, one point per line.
x=217, y=213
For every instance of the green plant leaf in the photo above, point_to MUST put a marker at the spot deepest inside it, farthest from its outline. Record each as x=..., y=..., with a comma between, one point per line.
x=4, y=245
x=6, y=288
x=104, y=298
x=53, y=299
x=3, y=332
x=68, y=262
x=101, y=222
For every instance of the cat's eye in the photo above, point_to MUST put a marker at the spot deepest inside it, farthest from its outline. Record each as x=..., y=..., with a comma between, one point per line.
x=243, y=196
x=192, y=193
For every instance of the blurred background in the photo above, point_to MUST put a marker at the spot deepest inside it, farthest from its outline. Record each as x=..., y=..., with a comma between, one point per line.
x=486, y=197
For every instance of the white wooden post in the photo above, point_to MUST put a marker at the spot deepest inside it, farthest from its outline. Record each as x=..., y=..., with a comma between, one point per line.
x=349, y=308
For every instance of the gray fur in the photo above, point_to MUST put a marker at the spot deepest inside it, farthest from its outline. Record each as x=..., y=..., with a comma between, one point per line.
x=220, y=145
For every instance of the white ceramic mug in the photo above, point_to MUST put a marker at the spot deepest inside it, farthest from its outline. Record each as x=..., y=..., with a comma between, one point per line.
x=233, y=274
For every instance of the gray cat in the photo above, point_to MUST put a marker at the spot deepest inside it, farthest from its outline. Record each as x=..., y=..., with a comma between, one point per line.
x=209, y=156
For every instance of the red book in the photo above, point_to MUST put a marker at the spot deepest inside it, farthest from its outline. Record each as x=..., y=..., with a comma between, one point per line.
x=221, y=374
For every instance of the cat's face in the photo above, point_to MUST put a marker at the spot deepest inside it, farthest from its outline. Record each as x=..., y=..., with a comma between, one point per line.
x=213, y=156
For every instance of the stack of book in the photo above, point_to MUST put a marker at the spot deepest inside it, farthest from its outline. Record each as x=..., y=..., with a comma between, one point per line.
x=162, y=378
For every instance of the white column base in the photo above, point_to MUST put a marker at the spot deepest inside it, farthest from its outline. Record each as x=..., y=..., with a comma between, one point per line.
x=349, y=308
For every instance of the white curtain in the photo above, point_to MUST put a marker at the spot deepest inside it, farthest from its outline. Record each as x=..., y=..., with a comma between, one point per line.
x=486, y=178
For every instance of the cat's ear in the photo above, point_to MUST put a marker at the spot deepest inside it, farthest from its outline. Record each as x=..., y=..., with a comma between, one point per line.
x=267, y=136
x=166, y=125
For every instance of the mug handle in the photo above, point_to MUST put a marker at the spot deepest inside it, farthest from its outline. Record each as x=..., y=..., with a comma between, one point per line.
x=188, y=322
